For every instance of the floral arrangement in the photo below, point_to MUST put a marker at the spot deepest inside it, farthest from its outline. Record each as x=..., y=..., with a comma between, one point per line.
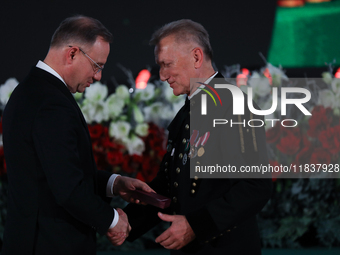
x=128, y=137
x=302, y=212
x=127, y=126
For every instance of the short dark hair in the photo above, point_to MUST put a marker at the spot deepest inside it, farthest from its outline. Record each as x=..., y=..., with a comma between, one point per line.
x=185, y=30
x=80, y=29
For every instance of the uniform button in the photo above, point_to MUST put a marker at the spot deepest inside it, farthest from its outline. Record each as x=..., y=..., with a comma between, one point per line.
x=187, y=126
x=175, y=184
x=194, y=184
x=193, y=191
x=174, y=199
x=166, y=164
x=166, y=170
x=180, y=155
x=196, y=178
x=178, y=170
x=184, y=141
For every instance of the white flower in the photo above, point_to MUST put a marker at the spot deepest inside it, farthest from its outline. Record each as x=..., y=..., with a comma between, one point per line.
x=327, y=77
x=134, y=145
x=145, y=94
x=153, y=111
x=6, y=90
x=94, y=111
x=259, y=84
x=277, y=75
x=114, y=105
x=96, y=92
x=327, y=98
x=119, y=130
x=137, y=114
x=123, y=92
x=336, y=86
x=169, y=94
x=142, y=129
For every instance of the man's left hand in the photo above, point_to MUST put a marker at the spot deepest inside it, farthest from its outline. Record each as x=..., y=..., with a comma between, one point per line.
x=123, y=186
x=178, y=234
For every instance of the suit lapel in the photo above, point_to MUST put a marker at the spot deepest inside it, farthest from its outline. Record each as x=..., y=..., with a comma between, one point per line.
x=57, y=83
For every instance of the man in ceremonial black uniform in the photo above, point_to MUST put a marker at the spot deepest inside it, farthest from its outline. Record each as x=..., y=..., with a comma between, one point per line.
x=215, y=216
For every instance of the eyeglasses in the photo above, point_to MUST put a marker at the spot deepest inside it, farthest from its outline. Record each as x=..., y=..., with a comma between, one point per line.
x=97, y=68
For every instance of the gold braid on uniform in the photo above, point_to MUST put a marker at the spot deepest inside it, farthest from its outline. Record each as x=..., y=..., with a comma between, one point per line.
x=253, y=133
x=241, y=134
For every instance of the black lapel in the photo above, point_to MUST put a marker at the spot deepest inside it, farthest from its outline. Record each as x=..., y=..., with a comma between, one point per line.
x=56, y=82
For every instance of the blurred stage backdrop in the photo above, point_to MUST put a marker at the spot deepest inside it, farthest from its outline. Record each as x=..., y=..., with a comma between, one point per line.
x=128, y=111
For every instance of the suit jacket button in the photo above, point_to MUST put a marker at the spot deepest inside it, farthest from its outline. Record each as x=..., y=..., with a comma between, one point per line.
x=180, y=155
x=184, y=141
x=175, y=184
x=178, y=170
x=187, y=126
x=194, y=184
x=166, y=170
x=196, y=178
x=166, y=164
x=193, y=191
x=174, y=199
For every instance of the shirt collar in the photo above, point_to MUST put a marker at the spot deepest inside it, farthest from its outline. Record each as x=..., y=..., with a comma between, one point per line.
x=48, y=69
x=202, y=86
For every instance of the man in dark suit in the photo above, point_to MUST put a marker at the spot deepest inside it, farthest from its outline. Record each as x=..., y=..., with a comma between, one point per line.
x=208, y=216
x=56, y=198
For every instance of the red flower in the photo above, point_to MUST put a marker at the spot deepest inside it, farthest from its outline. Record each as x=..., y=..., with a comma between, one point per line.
x=95, y=130
x=128, y=165
x=290, y=143
x=321, y=120
x=330, y=139
x=303, y=157
x=114, y=157
x=273, y=134
x=320, y=156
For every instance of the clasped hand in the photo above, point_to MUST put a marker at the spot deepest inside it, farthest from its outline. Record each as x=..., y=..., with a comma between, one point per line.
x=120, y=232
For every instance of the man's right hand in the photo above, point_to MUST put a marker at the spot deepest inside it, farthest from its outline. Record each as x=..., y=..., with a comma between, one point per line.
x=120, y=232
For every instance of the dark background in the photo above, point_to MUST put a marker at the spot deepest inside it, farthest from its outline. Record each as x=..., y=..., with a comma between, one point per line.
x=239, y=30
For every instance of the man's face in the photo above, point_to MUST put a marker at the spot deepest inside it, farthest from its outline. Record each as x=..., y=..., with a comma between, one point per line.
x=84, y=72
x=176, y=64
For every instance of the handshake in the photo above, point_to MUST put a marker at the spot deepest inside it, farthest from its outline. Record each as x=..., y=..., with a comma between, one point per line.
x=175, y=237
x=124, y=187
x=120, y=232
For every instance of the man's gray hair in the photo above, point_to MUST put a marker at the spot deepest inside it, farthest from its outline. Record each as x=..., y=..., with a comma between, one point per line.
x=81, y=30
x=185, y=30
